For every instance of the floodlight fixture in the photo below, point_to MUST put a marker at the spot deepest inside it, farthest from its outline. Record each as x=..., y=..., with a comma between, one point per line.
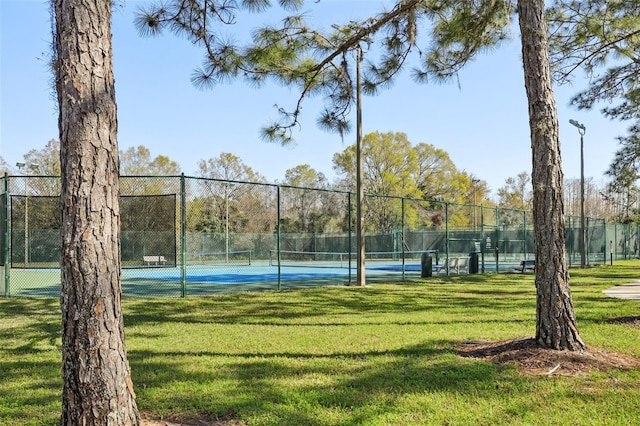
x=580, y=126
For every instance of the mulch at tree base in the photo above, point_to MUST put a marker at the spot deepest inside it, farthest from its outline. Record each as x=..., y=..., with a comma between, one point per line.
x=631, y=321
x=531, y=358
x=192, y=420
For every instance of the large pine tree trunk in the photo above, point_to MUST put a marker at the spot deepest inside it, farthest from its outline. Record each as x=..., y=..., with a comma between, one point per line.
x=97, y=379
x=555, y=320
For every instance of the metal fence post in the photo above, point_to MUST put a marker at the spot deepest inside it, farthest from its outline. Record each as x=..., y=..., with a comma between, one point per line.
x=496, y=249
x=614, y=241
x=604, y=224
x=278, y=234
x=350, y=237
x=183, y=237
x=524, y=234
x=446, y=235
x=483, y=244
x=585, y=241
x=6, y=236
x=571, y=246
x=402, y=242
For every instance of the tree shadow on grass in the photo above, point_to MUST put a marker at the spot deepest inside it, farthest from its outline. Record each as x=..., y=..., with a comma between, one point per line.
x=629, y=320
x=30, y=361
x=619, y=272
x=291, y=388
x=310, y=304
x=294, y=387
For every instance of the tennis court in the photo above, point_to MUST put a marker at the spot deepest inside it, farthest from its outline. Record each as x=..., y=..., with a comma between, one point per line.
x=291, y=270
x=185, y=235
x=232, y=272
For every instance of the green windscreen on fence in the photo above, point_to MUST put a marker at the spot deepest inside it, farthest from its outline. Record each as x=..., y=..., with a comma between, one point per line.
x=2, y=227
x=148, y=224
x=35, y=231
x=148, y=230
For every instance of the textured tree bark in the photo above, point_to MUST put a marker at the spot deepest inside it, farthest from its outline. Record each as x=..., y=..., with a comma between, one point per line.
x=556, y=326
x=97, y=380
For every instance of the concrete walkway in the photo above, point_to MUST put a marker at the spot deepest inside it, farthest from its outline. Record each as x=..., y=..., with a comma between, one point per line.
x=625, y=291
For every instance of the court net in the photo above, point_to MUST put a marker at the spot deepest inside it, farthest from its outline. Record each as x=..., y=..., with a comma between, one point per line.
x=340, y=260
x=238, y=257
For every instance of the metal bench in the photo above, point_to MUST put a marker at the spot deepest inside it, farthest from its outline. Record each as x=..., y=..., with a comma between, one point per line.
x=526, y=265
x=156, y=260
x=454, y=265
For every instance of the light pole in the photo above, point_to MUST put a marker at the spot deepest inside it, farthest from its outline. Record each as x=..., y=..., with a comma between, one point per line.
x=360, y=257
x=475, y=216
x=32, y=166
x=581, y=129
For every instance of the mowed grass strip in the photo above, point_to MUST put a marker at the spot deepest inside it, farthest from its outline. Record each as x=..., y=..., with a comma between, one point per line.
x=380, y=355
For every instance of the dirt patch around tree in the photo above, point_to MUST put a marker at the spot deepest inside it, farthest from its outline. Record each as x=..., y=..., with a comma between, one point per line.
x=631, y=321
x=147, y=419
x=530, y=358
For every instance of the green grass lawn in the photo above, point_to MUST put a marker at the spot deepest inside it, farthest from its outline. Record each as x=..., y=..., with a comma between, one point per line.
x=380, y=355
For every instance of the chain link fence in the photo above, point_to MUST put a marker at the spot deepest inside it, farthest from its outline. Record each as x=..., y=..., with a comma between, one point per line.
x=186, y=236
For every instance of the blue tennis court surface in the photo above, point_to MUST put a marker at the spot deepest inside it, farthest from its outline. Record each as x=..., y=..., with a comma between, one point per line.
x=262, y=272
x=256, y=274
x=213, y=279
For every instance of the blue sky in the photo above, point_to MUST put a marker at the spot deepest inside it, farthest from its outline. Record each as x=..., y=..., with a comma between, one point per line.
x=481, y=122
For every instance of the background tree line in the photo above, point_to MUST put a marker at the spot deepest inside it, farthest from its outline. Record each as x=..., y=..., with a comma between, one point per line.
x=393, y=167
